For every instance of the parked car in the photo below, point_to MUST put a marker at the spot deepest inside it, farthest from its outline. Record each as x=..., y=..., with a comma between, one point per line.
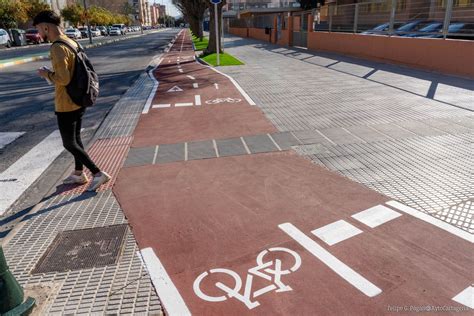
x=383, y=28
x=456, y=30
x=84, y=32
x=121, y=27
x=430, y=28
x=73, y=33
x=5, y=39
x=103, y=30
x=95, y=32
x=412, y=26
x=115, y=31
x=33, y=36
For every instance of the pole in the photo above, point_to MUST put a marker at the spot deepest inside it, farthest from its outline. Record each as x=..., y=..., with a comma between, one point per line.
x=222, y=29
x=87, y=22
x=216, y=22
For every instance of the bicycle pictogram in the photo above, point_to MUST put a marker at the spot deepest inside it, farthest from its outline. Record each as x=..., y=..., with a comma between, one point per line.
x=271, y=271
x=223, y=100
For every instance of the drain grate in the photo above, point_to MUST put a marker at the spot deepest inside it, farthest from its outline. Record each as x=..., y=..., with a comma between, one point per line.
x=82, y=249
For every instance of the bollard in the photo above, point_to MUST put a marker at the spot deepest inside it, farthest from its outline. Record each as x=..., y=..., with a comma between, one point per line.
x=11, y=293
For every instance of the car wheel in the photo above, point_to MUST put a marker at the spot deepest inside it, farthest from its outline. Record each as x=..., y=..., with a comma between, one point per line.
x=9, y=44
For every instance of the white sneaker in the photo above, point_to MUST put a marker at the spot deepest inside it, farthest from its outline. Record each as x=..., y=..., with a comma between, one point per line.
x=98, y=181
x=75, y=179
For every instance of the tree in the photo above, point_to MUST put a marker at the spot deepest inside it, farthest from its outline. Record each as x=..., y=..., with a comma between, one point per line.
x=73, y=13
x=211, y=47
x=193, y=11
x=12, y=13
x=33, y=7
x=310, y=4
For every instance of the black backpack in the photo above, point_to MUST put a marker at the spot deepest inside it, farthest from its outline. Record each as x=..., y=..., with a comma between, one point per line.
x=83, y=89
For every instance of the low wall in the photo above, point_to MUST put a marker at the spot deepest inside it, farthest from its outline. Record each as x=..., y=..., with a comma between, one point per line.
x=242, y=32
x=284, y=39
x=446, y=56
x=259, y=34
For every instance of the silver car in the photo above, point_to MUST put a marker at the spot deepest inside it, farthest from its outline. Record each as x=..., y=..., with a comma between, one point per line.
x=73, y=33
x=5, y=39
x=115, y=31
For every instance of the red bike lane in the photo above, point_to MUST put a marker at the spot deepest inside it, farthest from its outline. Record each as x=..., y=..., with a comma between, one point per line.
x=272, y=233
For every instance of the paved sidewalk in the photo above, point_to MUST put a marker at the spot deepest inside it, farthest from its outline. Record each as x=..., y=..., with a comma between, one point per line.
x=217, y=198
x=403, y=132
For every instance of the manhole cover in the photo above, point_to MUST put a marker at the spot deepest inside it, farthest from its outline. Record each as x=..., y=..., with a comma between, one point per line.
x=82, y=249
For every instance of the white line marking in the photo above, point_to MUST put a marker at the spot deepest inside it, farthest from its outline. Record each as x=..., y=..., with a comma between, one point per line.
x=191, y=77
x=466, y=297
x=274, y=142
x=244, y=94
x=215, y=147
x=429, y=219
x=175, y=89
x=183, y=104
x=158, y=106
x=216, y=85
x=179, y=67
x=336, y=232
x=156, y=84
x=197, y=99
x=376, y=216
x=186, y=151
x=28, y=169
x=195, y=85
x=180, y=70
x=8, y=137
x=327, y=138
x=344, y=271
x=155, y=154
x=167, y=291
x=245, y=145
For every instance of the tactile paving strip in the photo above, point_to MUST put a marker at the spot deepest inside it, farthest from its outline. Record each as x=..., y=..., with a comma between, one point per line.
x=122, y=288
x=108, y=154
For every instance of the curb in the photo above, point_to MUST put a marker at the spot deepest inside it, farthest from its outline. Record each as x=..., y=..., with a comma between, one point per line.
x=46, y=56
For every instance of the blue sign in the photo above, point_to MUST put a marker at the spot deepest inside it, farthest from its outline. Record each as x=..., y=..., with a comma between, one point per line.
x=216, y=1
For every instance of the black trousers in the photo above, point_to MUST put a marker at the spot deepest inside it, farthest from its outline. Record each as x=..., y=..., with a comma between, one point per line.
x=70, y=128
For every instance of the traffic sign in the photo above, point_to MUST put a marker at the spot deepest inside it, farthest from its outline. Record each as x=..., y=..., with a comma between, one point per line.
x=216, y=1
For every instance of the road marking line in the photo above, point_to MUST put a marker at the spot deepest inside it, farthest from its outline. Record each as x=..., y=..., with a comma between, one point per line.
x=434, y=221
x=155, y=154
x=191, y=77
x=9, y=137
x=156, y=84
x=28, y=169
x=245, y=145
x=195, y=85
x=215, y=147
x=343, y=270
x=183, y=104
x=197, y=99
x=175, y=89
x=180, y=70
x=185, y=151
x=376, y=216
x=336, y=232
x=244, y=94
x=158, y=106
x=164, y=286
x=466, y=297
x=179, y=67
x=274, y=142
x=216, y=86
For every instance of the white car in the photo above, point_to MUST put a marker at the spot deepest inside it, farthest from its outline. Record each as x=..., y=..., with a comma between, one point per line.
x=5, y=39
x=95, y=32
x=115, y=31
x=73, y=33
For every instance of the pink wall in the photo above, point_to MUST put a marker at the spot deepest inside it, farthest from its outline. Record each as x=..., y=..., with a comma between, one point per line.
x=446, y=56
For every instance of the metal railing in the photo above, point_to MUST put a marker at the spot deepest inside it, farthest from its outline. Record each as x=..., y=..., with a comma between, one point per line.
x=409, y=18
x=239, y=5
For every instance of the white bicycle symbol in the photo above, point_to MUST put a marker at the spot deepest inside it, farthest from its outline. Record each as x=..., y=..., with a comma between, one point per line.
x=222, y=100
x=272, y=275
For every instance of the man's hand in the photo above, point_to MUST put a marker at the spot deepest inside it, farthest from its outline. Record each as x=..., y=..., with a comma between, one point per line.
x=43, y=73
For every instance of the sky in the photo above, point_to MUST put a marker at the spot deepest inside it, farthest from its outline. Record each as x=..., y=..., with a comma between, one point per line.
x=170, y=8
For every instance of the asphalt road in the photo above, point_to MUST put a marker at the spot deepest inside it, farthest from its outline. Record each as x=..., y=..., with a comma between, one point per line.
x=26, y=101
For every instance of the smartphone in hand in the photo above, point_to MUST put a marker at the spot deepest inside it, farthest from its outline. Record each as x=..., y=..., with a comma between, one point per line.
x=46, y=68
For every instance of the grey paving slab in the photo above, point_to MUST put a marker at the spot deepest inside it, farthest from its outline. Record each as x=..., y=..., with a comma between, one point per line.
x=393, y=131
x=420, y=128
x=447, y=126
x=201, y=150
x=139, y=156
x=260, y=144
x=285, y=140
x=340, y=136
x=230, y=147
x=367, y=133
x=170, y=153
x=311, y=137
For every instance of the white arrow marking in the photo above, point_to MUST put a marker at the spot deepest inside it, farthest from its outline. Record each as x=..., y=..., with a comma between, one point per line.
x=191, y=77
x=217, y=86
x=175, y=89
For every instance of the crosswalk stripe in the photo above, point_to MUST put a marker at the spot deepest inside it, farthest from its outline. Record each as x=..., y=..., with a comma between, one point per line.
x=8, y=137
x=26, y=170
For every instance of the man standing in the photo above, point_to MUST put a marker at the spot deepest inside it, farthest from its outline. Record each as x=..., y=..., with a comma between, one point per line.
x=69, y=114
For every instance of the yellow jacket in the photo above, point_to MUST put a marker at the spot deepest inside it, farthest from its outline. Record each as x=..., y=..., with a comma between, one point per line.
x=63, y=60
